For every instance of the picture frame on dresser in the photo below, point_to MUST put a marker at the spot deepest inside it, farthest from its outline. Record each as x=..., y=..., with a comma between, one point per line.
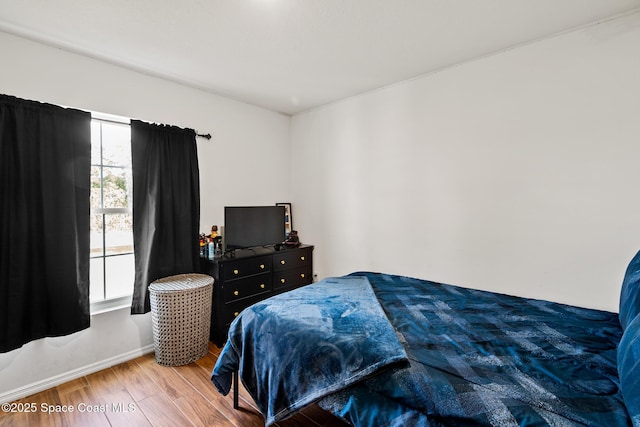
x=288, y=217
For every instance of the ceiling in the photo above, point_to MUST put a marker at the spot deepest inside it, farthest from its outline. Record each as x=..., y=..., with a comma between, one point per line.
x=294, y=55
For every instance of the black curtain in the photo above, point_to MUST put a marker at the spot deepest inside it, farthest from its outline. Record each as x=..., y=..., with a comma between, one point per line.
x=45, y=161
x=166, y=205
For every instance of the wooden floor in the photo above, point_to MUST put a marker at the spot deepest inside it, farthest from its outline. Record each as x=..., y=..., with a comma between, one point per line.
x=142, y=393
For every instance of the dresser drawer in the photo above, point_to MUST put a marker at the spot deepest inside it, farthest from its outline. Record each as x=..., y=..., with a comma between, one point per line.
x=247, y=276
x=231, y=311
x=292, y=278
x=245, y=267
x=246, y=287
x=294, y=259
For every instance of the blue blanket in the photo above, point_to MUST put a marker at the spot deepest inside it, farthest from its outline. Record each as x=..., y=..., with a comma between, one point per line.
x=475, y=357
x=297, y=347
x=482, y=358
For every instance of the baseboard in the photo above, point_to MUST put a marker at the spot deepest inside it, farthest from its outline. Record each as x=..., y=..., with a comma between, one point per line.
x=56, y=380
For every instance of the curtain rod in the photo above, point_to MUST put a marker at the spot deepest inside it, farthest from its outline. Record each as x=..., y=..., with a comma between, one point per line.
x=125, y=121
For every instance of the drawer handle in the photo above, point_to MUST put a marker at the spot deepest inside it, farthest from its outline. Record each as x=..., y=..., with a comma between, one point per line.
x=261, y=285
x=302, y=275
x=235, y=271
x=235, y=314
x=301, y=258
x=236, y=293
x=282, y=262
x=262, y=266
x=282, y=280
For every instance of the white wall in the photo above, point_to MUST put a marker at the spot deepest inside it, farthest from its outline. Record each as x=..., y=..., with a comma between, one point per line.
x=246, y=162
x=517, y=172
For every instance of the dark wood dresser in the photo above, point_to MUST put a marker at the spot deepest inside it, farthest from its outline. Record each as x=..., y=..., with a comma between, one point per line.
x=247, y=276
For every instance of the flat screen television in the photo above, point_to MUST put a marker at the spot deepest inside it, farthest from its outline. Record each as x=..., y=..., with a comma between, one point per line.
x=251, y=226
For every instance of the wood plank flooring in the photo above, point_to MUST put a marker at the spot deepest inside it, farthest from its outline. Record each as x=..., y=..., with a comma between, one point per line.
x=142, y=393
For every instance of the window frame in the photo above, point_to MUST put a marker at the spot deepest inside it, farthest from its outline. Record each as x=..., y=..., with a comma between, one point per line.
x=114, y=303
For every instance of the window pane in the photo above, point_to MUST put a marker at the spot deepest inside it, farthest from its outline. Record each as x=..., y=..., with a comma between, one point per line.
x=117, y=185
x=96, y=235
x=96, y=279
x=119, y=237
x=116, y=144
x=111, y=247
x=96, y=193
x=120, y=275
x=95, y=142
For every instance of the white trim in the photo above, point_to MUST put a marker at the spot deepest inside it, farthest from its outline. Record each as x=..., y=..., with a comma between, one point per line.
x=56, y=380
x=99, y=211
x=104, y=306
x=105, y=117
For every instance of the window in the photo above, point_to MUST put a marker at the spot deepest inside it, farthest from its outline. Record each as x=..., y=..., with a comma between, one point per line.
x=111, y=258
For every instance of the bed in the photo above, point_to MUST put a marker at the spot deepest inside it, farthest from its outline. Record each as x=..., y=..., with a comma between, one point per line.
x=386, y=350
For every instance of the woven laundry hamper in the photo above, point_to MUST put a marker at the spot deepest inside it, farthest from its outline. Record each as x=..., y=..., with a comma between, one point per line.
x=181, y=317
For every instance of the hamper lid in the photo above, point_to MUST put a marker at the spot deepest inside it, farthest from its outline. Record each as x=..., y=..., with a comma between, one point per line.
x=181, y=282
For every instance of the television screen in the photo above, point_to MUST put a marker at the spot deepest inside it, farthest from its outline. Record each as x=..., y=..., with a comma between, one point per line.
x=250, y=226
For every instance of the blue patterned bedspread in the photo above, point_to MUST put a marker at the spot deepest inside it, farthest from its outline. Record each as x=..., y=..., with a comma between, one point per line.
x=482, y=358
x=297, y=347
